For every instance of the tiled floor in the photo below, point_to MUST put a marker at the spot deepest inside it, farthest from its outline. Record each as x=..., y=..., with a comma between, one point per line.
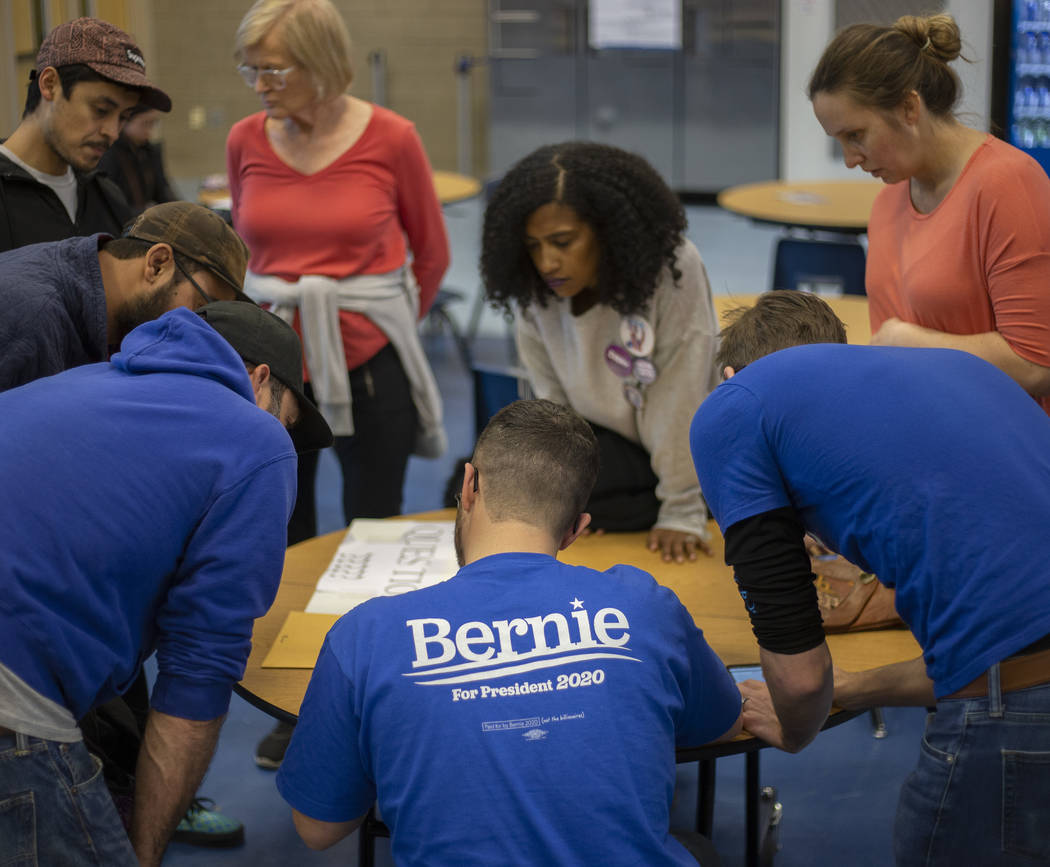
x=838, y=795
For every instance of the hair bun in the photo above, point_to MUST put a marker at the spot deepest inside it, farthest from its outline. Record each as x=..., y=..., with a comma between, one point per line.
x=936, y=35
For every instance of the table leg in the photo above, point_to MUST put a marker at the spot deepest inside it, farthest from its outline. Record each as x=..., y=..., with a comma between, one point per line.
x=752, y=831
x=705, y=796
x=763, y=813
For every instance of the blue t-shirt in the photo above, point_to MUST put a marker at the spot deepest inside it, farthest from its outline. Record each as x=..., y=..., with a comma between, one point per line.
x=523, y=712
x=928, y=467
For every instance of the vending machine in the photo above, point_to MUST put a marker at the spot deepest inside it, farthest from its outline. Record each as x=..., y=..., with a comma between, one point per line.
x=1021, y=79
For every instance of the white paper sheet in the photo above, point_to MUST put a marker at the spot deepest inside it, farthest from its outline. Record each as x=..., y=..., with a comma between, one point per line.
x=635, y=24
x=384, y=558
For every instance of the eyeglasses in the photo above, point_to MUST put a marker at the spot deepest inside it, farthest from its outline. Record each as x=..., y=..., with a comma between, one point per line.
x=207, y=298
x=275, y=78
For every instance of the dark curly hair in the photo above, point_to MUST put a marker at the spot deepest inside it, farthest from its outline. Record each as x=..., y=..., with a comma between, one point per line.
x=636, y=218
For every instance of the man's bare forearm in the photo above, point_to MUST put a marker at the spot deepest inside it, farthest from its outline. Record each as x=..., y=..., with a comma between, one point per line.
x=800, y=686
x=174, y=756
x=903, y=684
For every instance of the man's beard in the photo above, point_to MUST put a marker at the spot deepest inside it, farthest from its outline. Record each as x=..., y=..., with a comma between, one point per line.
x=277, y=389
x=144, y=308
x=457, y=535
x=71, y=156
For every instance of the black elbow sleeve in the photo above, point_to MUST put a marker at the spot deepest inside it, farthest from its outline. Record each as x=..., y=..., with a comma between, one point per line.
x=773, y=574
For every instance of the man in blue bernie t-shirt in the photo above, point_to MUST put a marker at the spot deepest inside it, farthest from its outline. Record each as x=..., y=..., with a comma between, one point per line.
x=931, y=469
x=524, y=711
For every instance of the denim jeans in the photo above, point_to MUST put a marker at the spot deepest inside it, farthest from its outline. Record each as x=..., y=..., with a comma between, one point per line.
x=980, y=794
x=55, y=808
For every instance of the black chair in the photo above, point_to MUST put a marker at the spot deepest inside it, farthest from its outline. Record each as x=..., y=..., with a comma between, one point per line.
x=494, y=388
x=439, y=316
x=824, y=267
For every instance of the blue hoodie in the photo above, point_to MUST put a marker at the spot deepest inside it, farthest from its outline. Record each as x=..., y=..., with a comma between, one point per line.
x=145, y=504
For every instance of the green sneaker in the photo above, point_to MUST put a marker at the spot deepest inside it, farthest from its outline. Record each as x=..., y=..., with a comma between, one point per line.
x=203, y=825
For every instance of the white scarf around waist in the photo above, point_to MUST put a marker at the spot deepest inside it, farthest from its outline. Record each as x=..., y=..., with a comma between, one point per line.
x=391, y=301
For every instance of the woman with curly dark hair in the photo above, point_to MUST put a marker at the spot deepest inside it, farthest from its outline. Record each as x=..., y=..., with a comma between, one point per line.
x=583, y=243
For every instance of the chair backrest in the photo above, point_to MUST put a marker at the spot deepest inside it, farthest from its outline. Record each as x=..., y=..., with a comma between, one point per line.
x=494, y=388
x=824, y=267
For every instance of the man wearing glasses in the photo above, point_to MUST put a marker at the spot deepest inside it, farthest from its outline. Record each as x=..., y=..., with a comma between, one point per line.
x=67, y=303
x=89, y=75
x=72, y=302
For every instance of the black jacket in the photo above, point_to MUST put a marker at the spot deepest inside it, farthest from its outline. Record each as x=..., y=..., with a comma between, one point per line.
x=31, y=212
x=139, y=172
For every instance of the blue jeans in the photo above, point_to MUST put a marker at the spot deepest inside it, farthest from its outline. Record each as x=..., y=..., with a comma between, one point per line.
x=980, y=794
x=55, y=808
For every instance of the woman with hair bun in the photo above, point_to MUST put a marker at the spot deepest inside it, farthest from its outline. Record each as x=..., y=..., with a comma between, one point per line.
x=959, y=242
x=583, y=243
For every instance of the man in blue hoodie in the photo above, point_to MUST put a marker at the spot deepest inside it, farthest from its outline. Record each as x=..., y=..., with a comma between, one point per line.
x=144, y=510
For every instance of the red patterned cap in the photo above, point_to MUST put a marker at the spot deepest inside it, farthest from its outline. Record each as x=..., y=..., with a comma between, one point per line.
x=107, y=50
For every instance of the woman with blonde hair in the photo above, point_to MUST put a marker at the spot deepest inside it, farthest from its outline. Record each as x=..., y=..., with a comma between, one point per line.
x=330, y=193
x=959, y=241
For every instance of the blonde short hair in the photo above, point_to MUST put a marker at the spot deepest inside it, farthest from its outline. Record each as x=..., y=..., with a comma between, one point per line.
x=314, y=33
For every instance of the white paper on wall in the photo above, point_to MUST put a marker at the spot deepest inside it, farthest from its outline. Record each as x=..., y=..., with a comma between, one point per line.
x=635, y=24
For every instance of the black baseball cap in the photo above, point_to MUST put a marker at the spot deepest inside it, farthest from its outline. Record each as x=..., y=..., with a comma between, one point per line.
x=260, y=337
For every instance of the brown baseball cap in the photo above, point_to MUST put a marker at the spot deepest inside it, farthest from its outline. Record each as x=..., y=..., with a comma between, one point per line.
x=107, y=50
x=197, y=233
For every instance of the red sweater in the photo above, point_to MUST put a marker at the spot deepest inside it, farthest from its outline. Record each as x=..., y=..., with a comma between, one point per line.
x=351, y=217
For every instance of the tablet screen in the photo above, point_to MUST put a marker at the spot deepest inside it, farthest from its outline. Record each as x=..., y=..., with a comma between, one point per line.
x=746, y=672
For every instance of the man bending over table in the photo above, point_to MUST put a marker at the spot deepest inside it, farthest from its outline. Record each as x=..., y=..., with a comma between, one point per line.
x=144, y=508
x=931, y=469
x=523, y=710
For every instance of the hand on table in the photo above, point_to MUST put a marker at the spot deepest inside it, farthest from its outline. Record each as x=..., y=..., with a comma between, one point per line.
x=760, y=718
x=675, y=545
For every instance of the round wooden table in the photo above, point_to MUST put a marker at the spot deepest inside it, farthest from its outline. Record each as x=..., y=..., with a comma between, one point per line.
x=450, y=187
x=851, y=309
x=838, y=206
x=453, y=187
x=706, y=588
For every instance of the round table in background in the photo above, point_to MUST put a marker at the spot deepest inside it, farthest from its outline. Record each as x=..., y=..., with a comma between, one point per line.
x=835, y=206
x=450, y=187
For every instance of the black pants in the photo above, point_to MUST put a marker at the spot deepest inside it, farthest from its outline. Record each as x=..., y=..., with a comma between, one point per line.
x=624, y=497
x=374, y=459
